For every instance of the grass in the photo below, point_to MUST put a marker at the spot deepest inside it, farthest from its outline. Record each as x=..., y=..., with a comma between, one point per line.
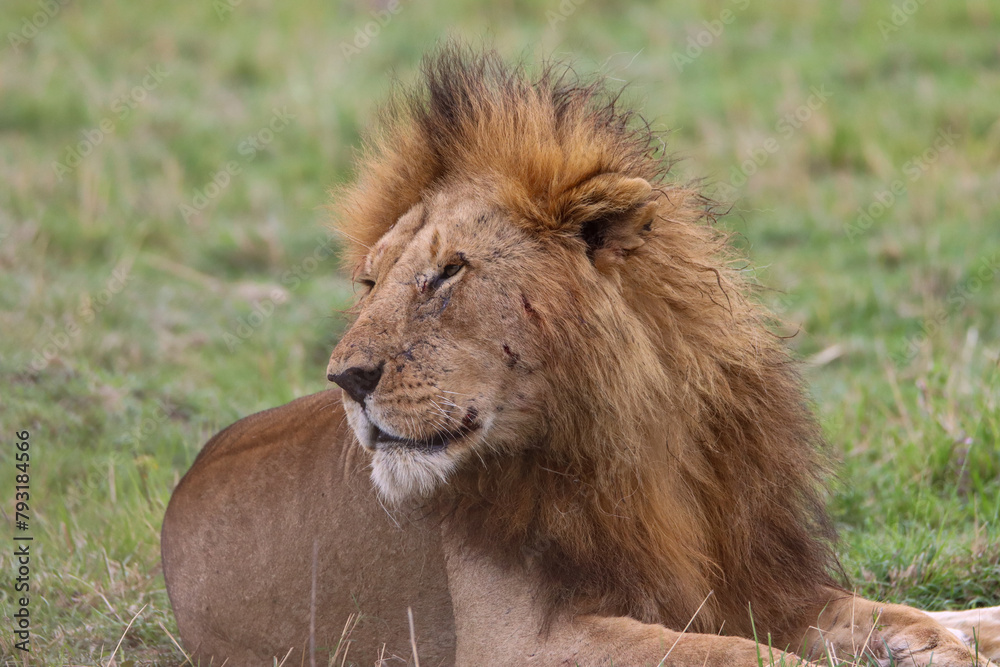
x=133, y=328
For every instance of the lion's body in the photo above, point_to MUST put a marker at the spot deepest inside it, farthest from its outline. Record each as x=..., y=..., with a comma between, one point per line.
x=237, y=553
x=568, y=400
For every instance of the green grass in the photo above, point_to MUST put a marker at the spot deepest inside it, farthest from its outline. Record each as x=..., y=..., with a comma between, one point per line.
x=121, y=377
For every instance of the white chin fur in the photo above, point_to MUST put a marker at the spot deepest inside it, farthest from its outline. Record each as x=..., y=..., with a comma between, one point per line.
x=400, y=474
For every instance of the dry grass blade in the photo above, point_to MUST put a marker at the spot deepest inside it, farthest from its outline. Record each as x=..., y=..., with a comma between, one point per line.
x=187, y=658
x=413, y=637
x=122, y=638
x=690, y=621
x=312, y=607
x=344, y=643
x=290, y=649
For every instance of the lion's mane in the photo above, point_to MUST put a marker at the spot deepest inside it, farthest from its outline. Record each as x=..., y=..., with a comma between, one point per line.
x=682, y=471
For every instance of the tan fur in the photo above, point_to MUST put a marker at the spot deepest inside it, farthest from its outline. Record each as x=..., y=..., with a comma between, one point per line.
x=978, y=627
x=574, y=385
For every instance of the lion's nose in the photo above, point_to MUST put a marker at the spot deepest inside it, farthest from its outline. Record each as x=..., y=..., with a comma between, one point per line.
x=358, y=382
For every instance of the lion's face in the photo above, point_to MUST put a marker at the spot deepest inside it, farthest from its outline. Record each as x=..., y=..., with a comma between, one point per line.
x=438, y=363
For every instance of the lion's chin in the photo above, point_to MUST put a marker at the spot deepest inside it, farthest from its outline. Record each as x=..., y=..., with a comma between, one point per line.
x=402, y=474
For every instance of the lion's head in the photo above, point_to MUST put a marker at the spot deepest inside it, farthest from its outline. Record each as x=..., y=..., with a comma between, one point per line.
x=441, y=361
x=493, y=275
x=549, y=336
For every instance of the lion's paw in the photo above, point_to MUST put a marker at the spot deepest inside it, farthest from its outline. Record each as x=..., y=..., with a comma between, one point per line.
x=933, y=646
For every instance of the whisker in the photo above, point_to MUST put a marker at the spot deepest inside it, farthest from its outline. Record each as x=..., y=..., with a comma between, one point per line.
x=346, y=235
x=378, y=497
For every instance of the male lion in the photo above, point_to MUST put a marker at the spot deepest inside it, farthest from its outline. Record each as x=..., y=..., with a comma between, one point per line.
x=586, y=447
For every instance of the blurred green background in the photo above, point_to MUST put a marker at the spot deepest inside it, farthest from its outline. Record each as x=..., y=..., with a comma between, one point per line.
x=164, y=169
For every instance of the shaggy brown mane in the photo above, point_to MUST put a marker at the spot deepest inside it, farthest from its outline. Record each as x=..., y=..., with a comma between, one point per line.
x=684, y=461
x=476, y=119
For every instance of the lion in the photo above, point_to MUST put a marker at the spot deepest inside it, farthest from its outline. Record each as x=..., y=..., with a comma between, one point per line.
x=563, y=434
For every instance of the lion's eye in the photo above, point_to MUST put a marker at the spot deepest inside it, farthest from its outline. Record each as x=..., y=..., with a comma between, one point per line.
x=367, y=283
x=451, y=269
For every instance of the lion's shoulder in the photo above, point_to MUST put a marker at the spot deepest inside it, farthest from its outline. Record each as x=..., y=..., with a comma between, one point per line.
x=314, y=419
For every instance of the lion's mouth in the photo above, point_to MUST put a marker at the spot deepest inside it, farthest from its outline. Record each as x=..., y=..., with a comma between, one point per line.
x=435, y=443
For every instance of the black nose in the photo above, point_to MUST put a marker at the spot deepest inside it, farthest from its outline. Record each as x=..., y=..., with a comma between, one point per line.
x=358, y=382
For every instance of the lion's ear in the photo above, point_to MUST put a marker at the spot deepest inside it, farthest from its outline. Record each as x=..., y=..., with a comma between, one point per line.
x=609, y=213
